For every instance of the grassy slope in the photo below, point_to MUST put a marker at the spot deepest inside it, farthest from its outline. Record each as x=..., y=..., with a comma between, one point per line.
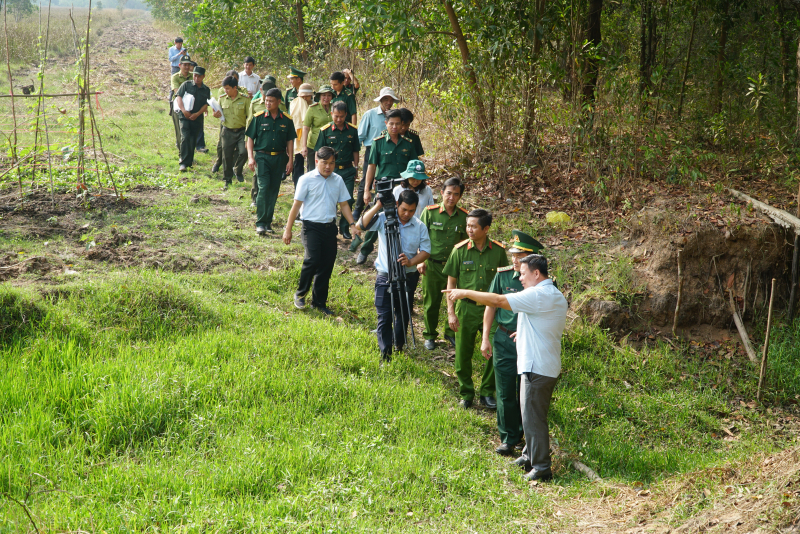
x=135, y=399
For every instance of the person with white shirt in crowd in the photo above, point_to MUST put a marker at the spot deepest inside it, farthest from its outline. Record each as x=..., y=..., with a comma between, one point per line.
x=541, y=319
x=249, y=79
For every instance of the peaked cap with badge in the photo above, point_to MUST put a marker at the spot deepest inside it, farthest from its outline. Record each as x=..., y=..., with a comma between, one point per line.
x=522, y=242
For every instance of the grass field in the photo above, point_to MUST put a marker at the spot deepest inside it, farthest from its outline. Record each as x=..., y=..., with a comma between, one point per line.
x=157, y=378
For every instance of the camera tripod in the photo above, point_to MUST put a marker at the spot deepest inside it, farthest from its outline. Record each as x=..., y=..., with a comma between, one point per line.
x=396, y=271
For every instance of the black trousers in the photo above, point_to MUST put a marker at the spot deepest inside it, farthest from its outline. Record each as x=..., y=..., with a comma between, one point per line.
x=359, y=207
x=297, y=170
x=310, y=163
x=383, y=304
x=319, y=241
x=190, y=133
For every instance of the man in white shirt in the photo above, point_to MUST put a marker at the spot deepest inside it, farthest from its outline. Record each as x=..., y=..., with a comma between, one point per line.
x=318, y=193
x=541, y=318
x=248, y=79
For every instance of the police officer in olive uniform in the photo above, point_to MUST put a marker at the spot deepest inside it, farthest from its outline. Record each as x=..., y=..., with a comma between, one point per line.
x=296, y=78
x=176, y=81
x=388, y=157
x=503, y=349
x=342, y=137
x=447, y=225
x=270, y=142
x=472, y=265
x=235, y=109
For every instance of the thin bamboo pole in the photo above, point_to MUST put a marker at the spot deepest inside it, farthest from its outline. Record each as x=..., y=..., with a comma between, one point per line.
x=44, y=115
x=762, y=374
x=11, y=89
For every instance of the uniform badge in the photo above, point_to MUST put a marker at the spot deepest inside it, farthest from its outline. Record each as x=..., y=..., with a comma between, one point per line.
x=418, y=168
x=470, y=262
x=438, y=224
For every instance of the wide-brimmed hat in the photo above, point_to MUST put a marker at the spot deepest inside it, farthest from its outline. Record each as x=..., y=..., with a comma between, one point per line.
x=522, y=242
x=387, y=91
x=295, y=72
x=305, y=90
x=326, y=89
x=415, y=169
x=186, y=59
x=200, y=71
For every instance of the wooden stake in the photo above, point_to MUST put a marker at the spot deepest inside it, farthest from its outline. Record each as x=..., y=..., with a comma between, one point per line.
x=680, y=294
x=11, y=89
x=763, y=372
x=742, y=331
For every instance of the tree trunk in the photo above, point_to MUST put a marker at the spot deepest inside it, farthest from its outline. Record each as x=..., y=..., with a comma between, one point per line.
x=783, y=34
x=723, y=40
x=688, y=59
x=797, y=130
x=472, y=78
x=594, y=38
x=301, y=33
x=530, y=115
x=647, y=44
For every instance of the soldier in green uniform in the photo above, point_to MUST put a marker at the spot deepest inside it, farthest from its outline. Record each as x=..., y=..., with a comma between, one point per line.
x=502, y=349
x=447, y=225
x=235, y=106
x=343, y=139
x=388, y=157
x=175, y=83
x=472, y=265
x=191, y=120
x=406, y=131
x=341, y=93
x=257, y=105
x=296, y=78
x=270, y=142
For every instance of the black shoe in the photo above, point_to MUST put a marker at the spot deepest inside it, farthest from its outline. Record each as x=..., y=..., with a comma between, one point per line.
x=524, y=463
x=226, y=186
x=465, y=404
x=505, y=449
x=542, y=475
x=430, y=344
x=346, y=233
x=324, y=310
x=299, y=302
x=268, y=229
x=215, y=168
x=452, y=340
x=386, y=357
x=202, y=150
x=489, y=402
x=239, y=178
x=362, y=259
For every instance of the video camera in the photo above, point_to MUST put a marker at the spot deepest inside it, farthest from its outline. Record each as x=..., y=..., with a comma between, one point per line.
x=384, y=191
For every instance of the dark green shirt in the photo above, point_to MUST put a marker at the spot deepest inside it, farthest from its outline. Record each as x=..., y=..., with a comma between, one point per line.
x=444, y=230
x=271, y=135
x=201, y=94
x=414, y=136
x=391, y=159
x=344, y=142
x=506, y=281
x=475, y=269
x=348, y=97
x=289, y=95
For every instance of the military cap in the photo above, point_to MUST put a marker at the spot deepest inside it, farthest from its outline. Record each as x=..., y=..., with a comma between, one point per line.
x=522, y=242
x=186, y=59
x=415, y=169
x=296, y=72
x=325, y=89
x=269, y=82
x=200, y=71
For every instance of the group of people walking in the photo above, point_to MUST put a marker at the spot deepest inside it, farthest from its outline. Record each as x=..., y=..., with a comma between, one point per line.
x=516, y=308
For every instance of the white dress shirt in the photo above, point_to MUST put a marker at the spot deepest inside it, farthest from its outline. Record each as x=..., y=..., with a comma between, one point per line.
x=541, y=319
x=252, y=82
x=320, y=196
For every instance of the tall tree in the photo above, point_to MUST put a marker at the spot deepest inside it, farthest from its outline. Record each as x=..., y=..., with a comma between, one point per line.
x=593, y=40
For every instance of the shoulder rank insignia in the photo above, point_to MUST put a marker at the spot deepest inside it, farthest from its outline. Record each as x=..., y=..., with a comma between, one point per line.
x=462, y=209
x=314, y=104
x=459, y=245
x=433, y=207
x=413, y=131
x=353, y=125
x=506, y=268
x=406, y=138
x=326, y=126
x=287, y=115
x=259, y=113
x=498, y=243
x=381, y=136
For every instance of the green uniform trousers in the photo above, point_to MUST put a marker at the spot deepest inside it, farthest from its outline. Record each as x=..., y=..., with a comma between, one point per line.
x=433, y=282
x=234, y=152
x=470, y=318
x=270, y=176
x=368, y=245
x=349, y=177
x=177, y=124
x=509, y=416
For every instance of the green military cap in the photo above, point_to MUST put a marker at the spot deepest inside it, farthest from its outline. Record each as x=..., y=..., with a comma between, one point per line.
x=415, y=169
x=296, y=72
x=200, y=71
x=269, y=82
x=186, y=59
x=325, y=89
x=522, y=242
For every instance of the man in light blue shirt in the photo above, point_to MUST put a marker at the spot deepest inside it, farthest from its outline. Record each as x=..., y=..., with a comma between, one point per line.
x=175, y=54
x=415, y=245
x=541, y=318
x=372, y=124
x=318, y=192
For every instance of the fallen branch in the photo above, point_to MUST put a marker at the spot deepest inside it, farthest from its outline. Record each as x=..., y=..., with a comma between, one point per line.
x=742, y=331
x=783, y=218
x=583, y=468
x=23, y=261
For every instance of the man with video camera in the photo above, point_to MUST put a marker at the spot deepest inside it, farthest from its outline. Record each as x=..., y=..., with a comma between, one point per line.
x=397, y=275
